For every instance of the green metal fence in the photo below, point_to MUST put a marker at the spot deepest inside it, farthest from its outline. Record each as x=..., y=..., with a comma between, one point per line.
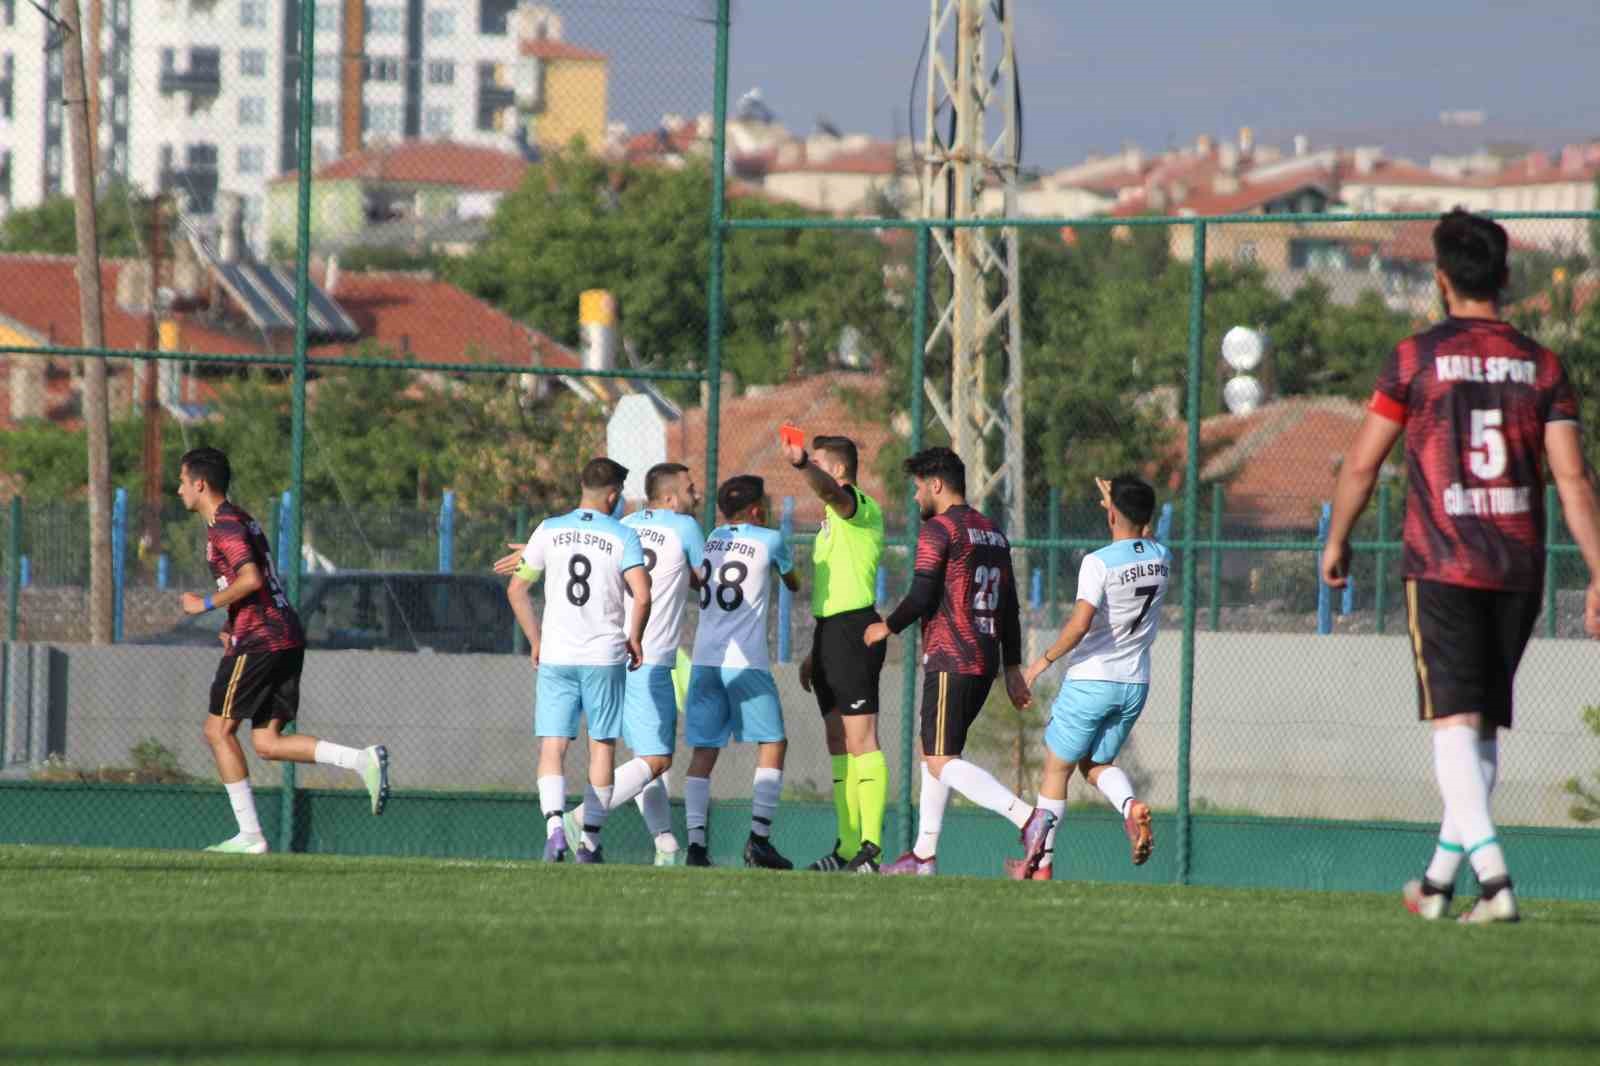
x=1258, y=749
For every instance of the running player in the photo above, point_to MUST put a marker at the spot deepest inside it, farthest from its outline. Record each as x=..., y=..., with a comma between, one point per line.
x=263, y=652
x=964, y=593
x=731, y=691
x=583, y=666
x=844, y=678
x=1485, y=411
x=1106, y=643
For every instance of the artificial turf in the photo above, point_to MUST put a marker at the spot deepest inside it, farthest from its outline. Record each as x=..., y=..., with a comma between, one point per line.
x=165, y=956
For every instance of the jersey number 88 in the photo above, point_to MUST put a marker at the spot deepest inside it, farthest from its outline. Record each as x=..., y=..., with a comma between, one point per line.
x=730, y=585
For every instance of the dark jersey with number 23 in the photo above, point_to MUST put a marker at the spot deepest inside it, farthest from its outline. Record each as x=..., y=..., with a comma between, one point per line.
x=262, y=621
x=975, y=626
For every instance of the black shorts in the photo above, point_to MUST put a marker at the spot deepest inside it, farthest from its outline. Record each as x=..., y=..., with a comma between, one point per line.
x=950, y=704
x=262, y=686
x=1467, y=643
x=844, y=671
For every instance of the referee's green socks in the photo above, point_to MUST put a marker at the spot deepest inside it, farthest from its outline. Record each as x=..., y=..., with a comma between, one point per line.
x=845, y=807
x=869, y=774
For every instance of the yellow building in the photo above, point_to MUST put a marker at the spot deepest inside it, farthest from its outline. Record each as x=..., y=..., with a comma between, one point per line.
x=561, y=89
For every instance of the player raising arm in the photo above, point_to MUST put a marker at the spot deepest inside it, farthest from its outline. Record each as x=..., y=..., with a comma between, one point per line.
x=582, y=652
x=1485, y=412
x=1106, y=643
x=964, y=593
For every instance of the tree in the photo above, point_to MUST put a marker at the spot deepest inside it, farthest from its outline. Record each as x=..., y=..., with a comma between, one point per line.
x=49, y=227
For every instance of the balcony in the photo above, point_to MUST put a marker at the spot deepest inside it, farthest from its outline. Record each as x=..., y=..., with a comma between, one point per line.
x=198, y=185
x=202, y=78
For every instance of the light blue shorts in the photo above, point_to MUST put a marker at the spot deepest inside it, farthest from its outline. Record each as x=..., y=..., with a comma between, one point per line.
x=1093, y=718
x=731, y=702
x=564, y=693
x=650, y=711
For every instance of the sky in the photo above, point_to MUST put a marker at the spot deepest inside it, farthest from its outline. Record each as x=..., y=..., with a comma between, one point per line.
x=1097, y=74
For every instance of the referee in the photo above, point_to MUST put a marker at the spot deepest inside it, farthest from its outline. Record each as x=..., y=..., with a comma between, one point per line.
x=840, y=670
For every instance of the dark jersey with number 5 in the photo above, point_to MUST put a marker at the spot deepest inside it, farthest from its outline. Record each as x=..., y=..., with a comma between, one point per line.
x=1474, y=396
x=262, y=621
x=977, y=620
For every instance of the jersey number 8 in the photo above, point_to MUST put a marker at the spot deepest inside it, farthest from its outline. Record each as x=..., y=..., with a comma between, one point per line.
x=578, y=570
x=730, y=585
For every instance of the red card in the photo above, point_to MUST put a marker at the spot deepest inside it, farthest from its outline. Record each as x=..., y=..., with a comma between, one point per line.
x=792, y=435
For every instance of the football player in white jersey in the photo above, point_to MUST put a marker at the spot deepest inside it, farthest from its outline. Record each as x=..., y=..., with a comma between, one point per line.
x=585, y=647
x=731, y=691
x=1106, y=643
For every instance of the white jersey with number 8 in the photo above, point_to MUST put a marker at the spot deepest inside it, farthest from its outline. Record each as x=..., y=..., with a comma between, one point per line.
x=672, y=545
x=737, y=571
x=582, y=556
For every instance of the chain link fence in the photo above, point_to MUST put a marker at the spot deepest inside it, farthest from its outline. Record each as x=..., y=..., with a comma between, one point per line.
x=504, y=222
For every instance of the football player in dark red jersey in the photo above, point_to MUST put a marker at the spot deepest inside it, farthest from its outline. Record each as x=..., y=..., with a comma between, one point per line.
x=264, y=649
x=965, y=595
x=1487, y=414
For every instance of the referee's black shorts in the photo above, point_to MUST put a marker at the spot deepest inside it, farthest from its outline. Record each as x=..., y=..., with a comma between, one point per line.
x=844, y=671
x=1466, y=644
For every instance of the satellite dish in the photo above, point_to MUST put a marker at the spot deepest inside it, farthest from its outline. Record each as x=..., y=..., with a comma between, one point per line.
x=1242, y=394
x=1243, y=348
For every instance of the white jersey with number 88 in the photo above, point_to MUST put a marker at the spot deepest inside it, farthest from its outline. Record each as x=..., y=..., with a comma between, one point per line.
x=737, y=573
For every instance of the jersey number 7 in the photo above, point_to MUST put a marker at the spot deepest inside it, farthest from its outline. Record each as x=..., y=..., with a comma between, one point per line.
x=1148, y=593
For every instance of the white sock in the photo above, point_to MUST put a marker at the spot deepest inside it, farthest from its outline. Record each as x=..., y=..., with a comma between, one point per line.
x=630, y=780
x=1447, y=856
x=596, y=805
x=552, y=801
x=330, y=754
x=1489, y=762
x=764, y=800
x=696, y=804
x=979, y=786
x=930, y=814
x=244, y=806
x=1115, y=786
x=654, y=804
x=1466, y=799
x=1059, y=809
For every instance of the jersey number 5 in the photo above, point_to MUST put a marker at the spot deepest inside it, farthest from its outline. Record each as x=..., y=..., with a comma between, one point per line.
x=1487, y=456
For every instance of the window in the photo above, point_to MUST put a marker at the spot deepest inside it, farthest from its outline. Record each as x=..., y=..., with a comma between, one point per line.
x=383, y=68
x=381, y=118
x=119, y=13
x=1247, y=252
x=436, y=121
x=326, y=66
x=52, y=160
x=119, y=109
x=253, y=63
x=441, y=72
x=252, y=159
x=7, y=71
x=322, y=113
x=253, y=14
x=202, y=156
x=441, y=23
x=385, y=20
x=119, y=159
x=327, y=18
x=252, y=110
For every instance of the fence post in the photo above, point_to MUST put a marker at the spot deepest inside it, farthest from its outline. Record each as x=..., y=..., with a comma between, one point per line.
x=1347, y=600
x=119, y=560
x=1380, y=580
x=1164, y=523
x=1324, y=594
x=1052, y=557
x=1215, y=591
x=519, y=643
x=785, y=597
x=1191, y=516
x=14, y=569
x=1552, y=512
x=163, y=570
x=908, y=644
x=714, y=296
x=447, y=532
x=280, y=536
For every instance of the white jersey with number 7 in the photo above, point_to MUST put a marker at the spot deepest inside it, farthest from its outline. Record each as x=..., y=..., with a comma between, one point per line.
x=582, y=555
x=737, y=571
x=1125, y=582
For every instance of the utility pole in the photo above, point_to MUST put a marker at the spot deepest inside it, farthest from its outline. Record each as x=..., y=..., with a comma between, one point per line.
x=150, y=538
x=96, y=414
x=957, y=167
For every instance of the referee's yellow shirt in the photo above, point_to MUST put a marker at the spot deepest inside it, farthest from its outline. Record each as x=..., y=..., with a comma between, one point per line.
x=846, y=555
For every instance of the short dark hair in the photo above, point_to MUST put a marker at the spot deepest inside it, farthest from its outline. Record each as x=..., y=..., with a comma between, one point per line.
x=603, y=473
x=658, y=475
x=1135, y=499
x=1471, y=250
x=842, y=448
x=739, y=492
x=941, y=463
x=209, y=465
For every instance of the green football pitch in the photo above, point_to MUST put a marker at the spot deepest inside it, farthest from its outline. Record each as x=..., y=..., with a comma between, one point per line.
x=110, y=956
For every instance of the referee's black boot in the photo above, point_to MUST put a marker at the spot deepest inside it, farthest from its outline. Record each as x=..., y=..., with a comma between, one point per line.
x=866, y=860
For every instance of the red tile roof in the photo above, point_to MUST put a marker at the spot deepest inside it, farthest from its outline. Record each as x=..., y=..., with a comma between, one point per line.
x=749, y=437
x=879, y=157
x=1251, y=195
x=1584, y=292
x=661, y=142
x=427, y=163
x=545, y=48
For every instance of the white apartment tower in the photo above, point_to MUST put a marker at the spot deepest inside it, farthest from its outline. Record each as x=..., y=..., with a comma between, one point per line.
x=199, y=97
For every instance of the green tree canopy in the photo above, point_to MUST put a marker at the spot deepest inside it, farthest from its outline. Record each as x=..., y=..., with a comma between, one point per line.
x=50, y=227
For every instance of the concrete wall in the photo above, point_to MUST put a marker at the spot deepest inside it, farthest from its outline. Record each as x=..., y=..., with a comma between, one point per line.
x=1321, y=727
